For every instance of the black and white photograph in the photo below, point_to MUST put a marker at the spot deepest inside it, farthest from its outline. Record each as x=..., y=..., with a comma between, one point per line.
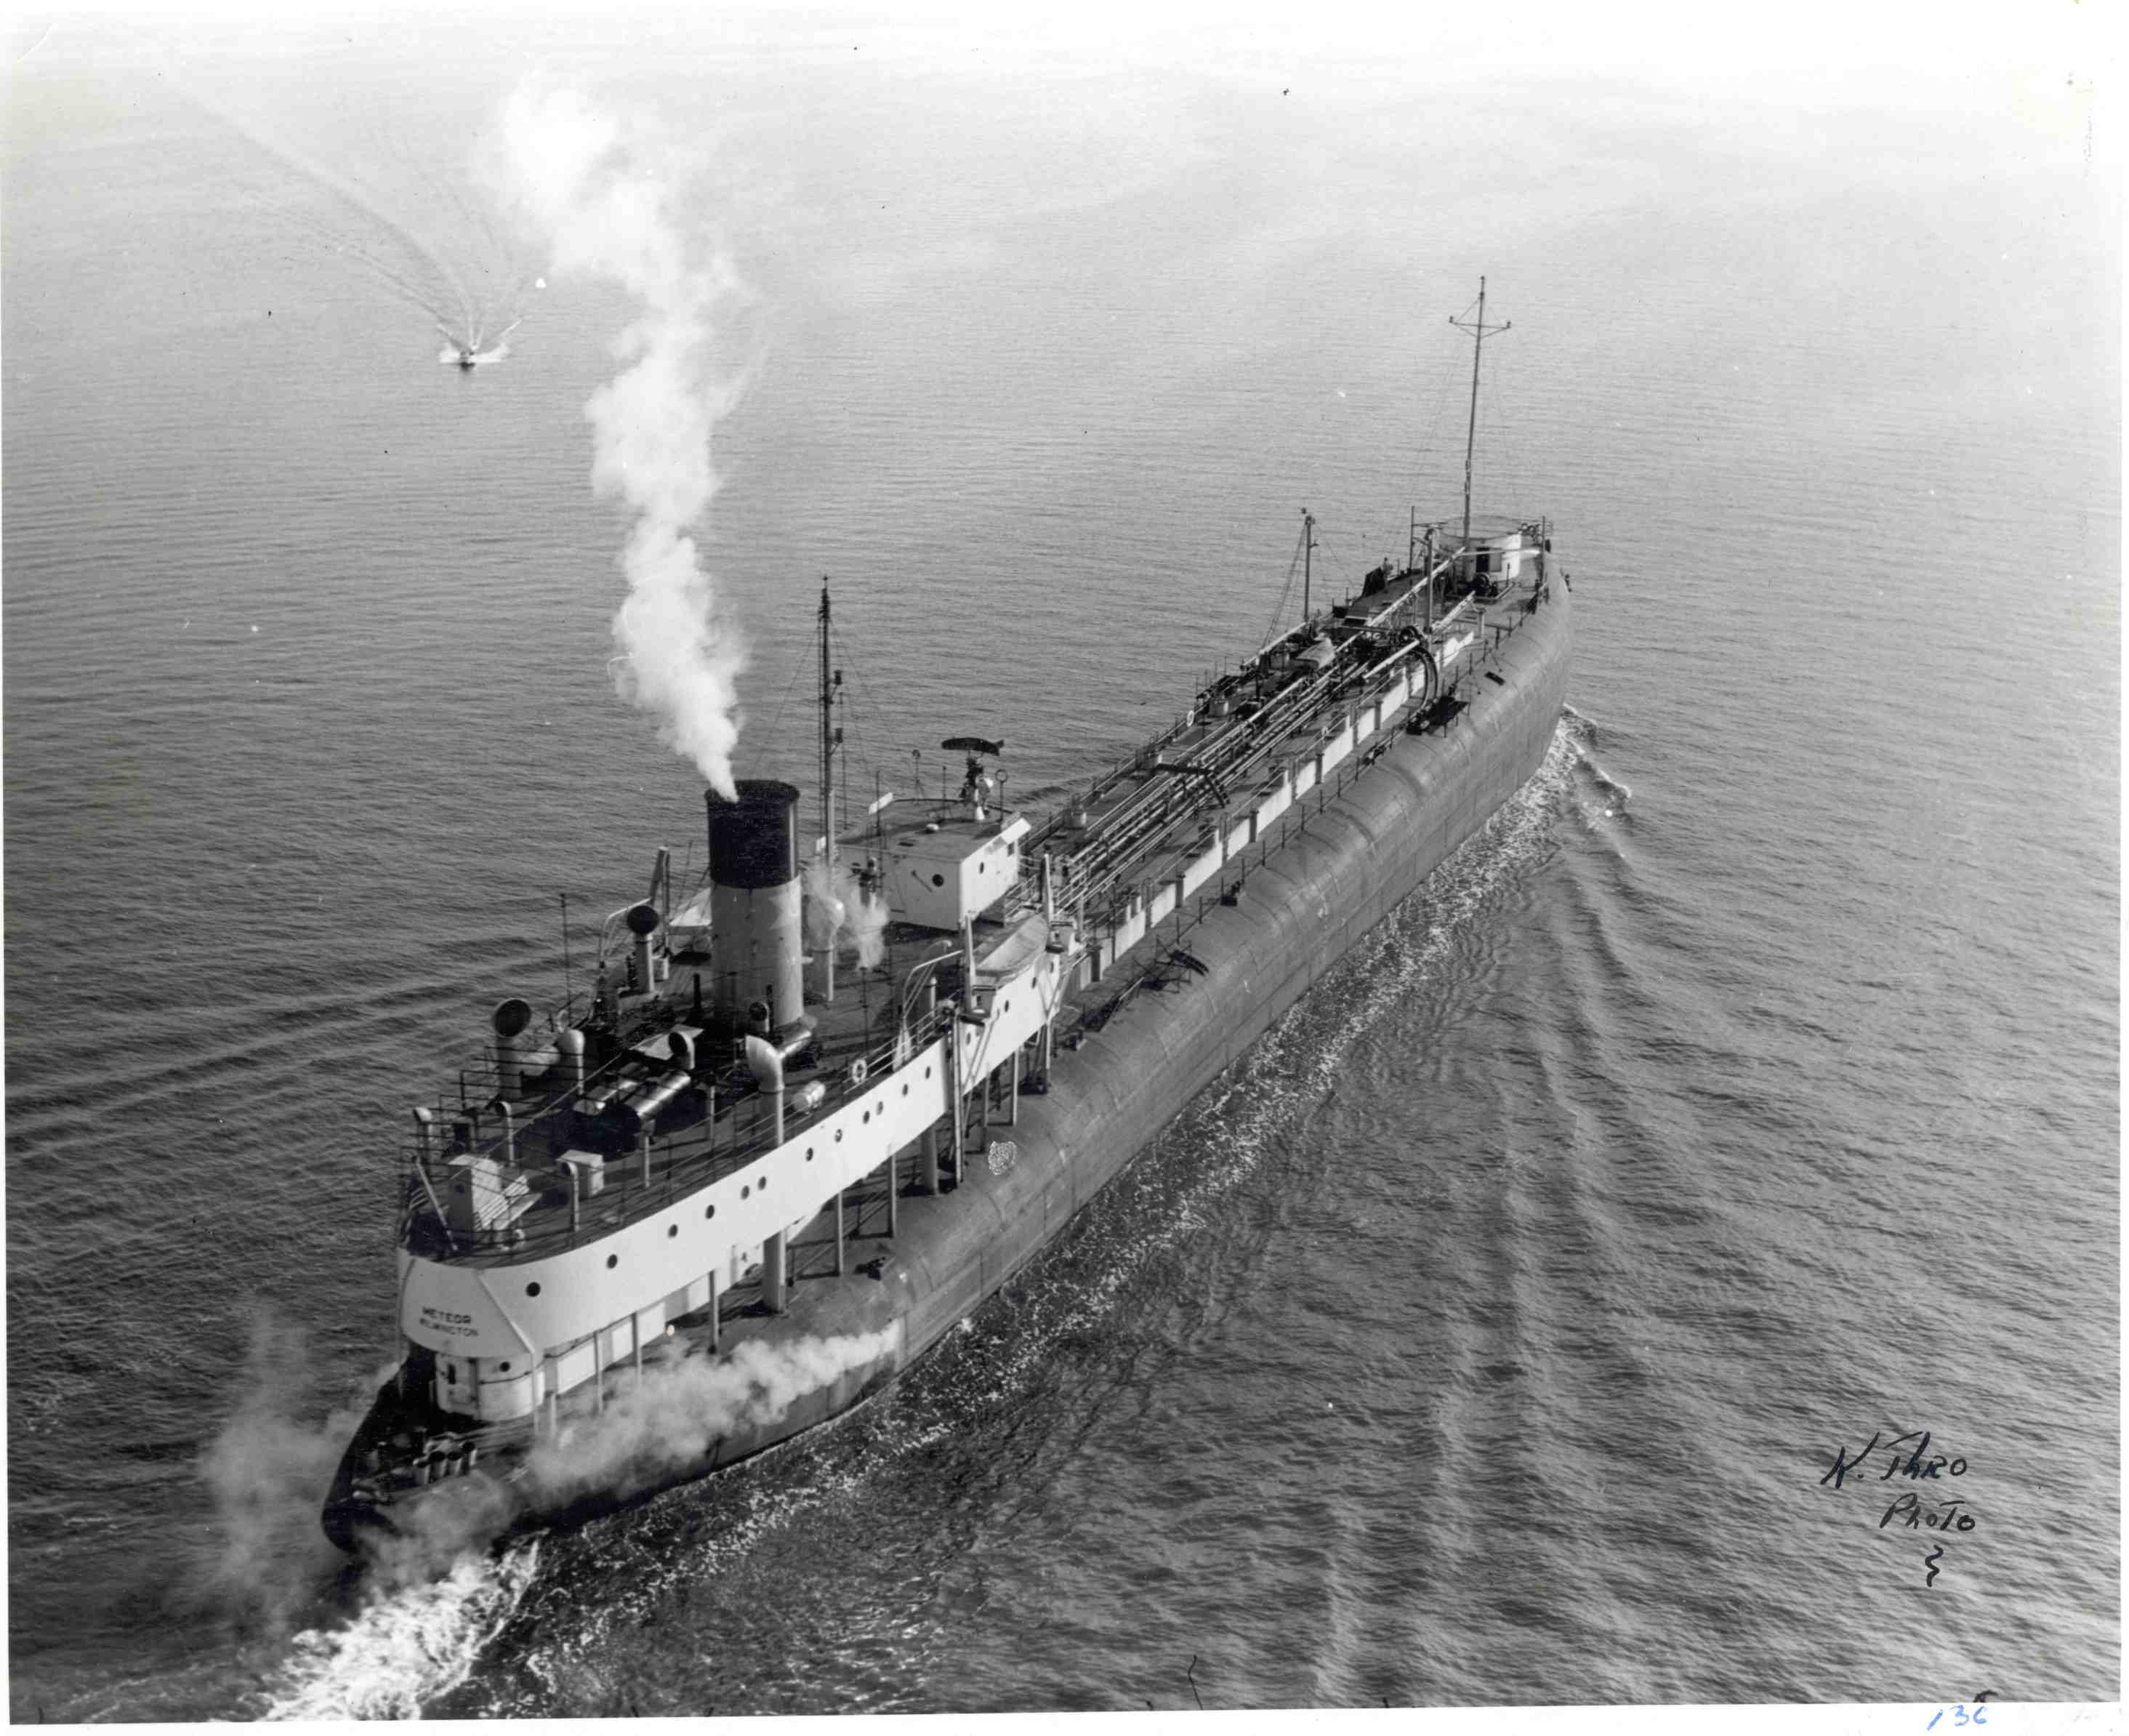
x=904, y=857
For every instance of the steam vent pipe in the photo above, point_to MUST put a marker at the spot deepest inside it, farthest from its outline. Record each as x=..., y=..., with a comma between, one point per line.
x=757, y=984
x=643, y=921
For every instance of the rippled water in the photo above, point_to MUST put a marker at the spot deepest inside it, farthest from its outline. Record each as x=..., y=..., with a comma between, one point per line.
x=1748, y=1087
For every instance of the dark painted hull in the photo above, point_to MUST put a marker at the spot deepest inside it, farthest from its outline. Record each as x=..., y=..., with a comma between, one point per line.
x=1340, y=870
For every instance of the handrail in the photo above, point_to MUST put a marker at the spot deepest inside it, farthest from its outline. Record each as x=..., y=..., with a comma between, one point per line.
x=1096, y=1009
x=693, y=1156
x=681, y=1162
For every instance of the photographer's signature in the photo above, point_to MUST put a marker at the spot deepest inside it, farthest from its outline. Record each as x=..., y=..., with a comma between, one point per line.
x=1908, y=1457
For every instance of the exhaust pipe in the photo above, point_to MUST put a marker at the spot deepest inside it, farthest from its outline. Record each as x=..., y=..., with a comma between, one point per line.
x=644, y=922
x=765, y=1061
x=767, y=1068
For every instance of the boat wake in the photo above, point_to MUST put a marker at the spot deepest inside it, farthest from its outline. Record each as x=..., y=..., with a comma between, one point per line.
x=469, y=354
x=719, y=1540
x=1600, y=796
x=406, y=1646
x=347, y=186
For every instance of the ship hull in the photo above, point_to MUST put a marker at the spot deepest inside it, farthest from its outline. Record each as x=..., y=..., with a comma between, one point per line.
x=1345, y=859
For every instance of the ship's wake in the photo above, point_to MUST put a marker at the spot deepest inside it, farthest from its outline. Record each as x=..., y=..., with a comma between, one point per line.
x=429, y=1599
x=453, y=357
x=331, y=1642
x=1598, y=794
x=720, y=1540
x=456, y=354
x=405, y=1646
x=355, y=190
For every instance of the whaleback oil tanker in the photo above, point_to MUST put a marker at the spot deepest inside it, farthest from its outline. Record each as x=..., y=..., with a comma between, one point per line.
x=816, y=1108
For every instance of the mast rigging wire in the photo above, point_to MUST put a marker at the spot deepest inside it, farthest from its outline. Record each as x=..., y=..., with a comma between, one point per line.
x=1274, y=627
x=754, y=761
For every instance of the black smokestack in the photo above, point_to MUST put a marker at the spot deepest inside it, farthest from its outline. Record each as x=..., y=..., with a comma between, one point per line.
x=756, y=950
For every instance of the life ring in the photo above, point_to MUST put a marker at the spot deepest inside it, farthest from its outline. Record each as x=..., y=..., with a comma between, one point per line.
x=858, y=1071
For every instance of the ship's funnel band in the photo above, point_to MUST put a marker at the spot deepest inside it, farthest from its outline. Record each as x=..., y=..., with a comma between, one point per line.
x=757, y=952
x=754, y=841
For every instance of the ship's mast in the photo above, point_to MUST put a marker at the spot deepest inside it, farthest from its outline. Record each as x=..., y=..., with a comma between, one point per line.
x=1479, y=330
x=829, y=680
x=1307, y=549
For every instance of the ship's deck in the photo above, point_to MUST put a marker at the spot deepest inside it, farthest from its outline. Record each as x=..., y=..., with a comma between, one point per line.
x=1152, y=815
x=698, y=1137
x=1172, y=795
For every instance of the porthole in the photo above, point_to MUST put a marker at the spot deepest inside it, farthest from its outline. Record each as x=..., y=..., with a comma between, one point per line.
x=839, y=1136
x=927, y=1072
x=938, y=879
x=502, y=1368
x=809, y=1154
x=905, y=1088
x=866, y=1119
x=672, y=1229
x=709, y=1211
x=744, y=1191
x=612, y=1261
x=532, y=1290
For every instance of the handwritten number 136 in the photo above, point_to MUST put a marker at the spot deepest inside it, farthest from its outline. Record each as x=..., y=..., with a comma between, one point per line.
x=1961, y=1716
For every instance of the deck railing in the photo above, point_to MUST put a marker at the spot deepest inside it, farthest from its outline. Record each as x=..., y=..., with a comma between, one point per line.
x=1090, y=880
x=1162, y=945
x=662, y=1168
x=541, y=1126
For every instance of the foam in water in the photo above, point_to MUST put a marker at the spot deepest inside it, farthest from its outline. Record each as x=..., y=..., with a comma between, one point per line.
x=454, y=354
x=414, y=1644
x=406, y=1646
x=1240, y=1119
x=1600, y=795
x=450, y=258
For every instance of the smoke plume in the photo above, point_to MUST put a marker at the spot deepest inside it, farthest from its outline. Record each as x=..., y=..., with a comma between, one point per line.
x=267, y=1471
x=671, y=1417
x=604, y=205
x=836, y=914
